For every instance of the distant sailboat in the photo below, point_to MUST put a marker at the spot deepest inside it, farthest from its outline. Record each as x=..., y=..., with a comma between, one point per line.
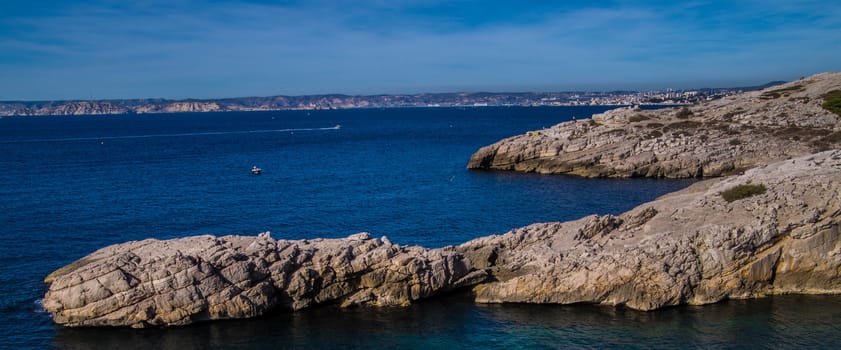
x=256, y=171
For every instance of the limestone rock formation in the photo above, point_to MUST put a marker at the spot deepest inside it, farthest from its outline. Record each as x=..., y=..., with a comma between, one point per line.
x=688, y=247
x=715, y=138
x=180, y=281
x=181, y=106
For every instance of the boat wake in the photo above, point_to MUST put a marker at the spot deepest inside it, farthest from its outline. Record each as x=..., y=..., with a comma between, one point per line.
x=209, y=133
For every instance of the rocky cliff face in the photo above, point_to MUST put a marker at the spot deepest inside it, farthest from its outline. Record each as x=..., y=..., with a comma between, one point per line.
x=689, y=247
x=177, y=107
x=711, y=139
x=73, y=108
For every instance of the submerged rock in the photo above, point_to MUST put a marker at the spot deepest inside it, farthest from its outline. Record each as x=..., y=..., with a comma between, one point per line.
x=689, y=247
x=711, y=139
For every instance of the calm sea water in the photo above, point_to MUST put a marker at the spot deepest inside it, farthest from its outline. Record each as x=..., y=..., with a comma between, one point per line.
x=70, y=185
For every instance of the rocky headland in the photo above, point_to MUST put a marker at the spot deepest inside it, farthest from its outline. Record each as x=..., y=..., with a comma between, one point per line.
x=713, y=138
x=181, y=281
x=772, y=230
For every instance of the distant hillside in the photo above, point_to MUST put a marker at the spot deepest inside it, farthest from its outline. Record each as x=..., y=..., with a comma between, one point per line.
x=339, y=101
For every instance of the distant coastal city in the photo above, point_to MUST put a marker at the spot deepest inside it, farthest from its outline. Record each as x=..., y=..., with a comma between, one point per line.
x=338, y=101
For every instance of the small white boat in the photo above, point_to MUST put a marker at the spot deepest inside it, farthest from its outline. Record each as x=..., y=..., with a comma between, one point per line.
x=256, y=171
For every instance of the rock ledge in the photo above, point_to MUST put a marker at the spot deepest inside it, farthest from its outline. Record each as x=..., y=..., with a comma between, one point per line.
x=688, y=247
x=715, y=138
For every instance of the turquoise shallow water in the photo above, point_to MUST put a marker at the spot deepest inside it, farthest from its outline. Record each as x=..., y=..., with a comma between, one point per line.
x=70, y=185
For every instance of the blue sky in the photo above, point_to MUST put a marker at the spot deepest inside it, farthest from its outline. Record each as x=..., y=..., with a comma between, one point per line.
x=208, y=49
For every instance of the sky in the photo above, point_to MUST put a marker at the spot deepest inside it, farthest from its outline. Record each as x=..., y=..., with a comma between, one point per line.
x=105, y=49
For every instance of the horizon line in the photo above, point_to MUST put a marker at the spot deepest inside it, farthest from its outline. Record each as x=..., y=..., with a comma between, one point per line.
x=770, y=83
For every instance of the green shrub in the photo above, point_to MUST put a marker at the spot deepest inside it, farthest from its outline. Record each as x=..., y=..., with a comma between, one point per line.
x=820, y=146
x=832, y=102
x=770, y=95
x=792, y=88
x=833, y=137
x=638, y=118
x=827, y=142
x=742, y=191
x=729, y=115
x=684, y=113
x=796, y=132
x=735, y=142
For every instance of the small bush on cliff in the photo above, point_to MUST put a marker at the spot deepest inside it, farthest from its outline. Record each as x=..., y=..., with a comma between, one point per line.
x=832, y=101
x=833, y=137
x=742, y=191
x=638, y=118
x=796, y=133
x=827, y=142
x=729, y=115
x=684, y=113
x=770, y=95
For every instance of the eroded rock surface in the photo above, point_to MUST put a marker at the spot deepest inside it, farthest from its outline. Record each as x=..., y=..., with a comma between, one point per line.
x=689, y=247
x=716, y=138
x=180, y=281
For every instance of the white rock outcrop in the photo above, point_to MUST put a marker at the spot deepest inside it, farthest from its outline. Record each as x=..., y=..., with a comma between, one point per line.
x=715, y=138
x=688, y=247
x=180, y=281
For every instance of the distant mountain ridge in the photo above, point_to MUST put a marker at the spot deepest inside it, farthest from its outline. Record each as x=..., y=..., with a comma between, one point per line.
x=340, y=101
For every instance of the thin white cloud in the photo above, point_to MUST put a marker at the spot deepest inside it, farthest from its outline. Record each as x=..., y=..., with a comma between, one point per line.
x=184, y=50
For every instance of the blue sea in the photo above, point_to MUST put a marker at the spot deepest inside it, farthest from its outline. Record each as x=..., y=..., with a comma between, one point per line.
x=70, y=185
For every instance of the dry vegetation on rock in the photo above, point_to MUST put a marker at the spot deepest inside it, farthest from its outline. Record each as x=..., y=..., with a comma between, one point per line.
x=711, y=139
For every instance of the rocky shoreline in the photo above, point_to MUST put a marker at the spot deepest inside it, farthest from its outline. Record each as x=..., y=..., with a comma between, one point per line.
x=771, y=229
x=714, y=138
x=690, y=247
x=181, y=281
